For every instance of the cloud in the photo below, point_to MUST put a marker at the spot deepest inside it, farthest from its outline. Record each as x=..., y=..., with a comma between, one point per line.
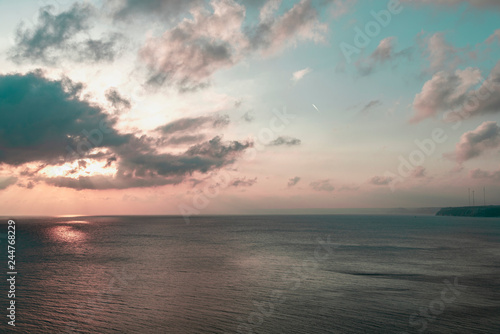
x=248, y=116
x=105, y=49
x=127, y=9
x=100, y=182
x=184, y=139
x=31, y=133
x=454, y=93
x=485, y=175
x=243, y=182
x=481, y=101
x=494, y=37
x=342, y=7
x=384, y=53
x=293, y=181
x=267, y=11
x=442, y=55
x=141, y=158
x=188, y=54
x=60, y=35
x=140, y=165
x=29, y=185
x=214, y=148
x=443, y=92
x=216, y=39
x=381, y=180
x=370, y=105
x=419, y=172
x=192, y=124
x=6, y=182
x=322, y=185
x=347, y=187
x=284, y=140
x=72, y=134
x=300, y=23
x=117, y=101
x=298, y=75
x=474, y=143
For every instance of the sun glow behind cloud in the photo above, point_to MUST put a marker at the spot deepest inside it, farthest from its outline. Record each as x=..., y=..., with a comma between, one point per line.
x=77, y=169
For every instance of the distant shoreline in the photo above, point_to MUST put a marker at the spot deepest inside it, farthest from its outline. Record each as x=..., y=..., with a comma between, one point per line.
x=471, y=211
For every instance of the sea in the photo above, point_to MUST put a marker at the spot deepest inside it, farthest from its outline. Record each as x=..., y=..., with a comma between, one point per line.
x=253, y=274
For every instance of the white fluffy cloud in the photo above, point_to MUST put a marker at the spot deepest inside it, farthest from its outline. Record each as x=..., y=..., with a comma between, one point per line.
x=443, y=92
x=298, y=75
x=188, y=54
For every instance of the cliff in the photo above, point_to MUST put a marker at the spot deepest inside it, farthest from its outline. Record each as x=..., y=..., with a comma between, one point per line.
x=471, y=211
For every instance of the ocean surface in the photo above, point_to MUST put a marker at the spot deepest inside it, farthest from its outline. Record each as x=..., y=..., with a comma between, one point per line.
x=255, y=274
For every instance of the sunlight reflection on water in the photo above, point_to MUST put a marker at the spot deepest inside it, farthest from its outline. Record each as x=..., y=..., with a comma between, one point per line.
x=65, y=233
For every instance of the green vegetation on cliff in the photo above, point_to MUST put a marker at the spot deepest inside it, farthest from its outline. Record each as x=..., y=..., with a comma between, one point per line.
x=471, y=211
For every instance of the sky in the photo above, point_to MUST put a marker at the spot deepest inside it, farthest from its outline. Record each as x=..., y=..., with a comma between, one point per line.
x=238, y=107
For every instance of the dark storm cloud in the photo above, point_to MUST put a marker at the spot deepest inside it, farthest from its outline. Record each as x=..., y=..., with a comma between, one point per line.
x=284, y=140
x=31, y=133
x=214, y=148
x=55, y=36
x=139, y=165
x=140, y=158
x=40, y=118
x=105, y=182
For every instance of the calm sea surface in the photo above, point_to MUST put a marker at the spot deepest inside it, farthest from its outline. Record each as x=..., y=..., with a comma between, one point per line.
x=255, y=274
